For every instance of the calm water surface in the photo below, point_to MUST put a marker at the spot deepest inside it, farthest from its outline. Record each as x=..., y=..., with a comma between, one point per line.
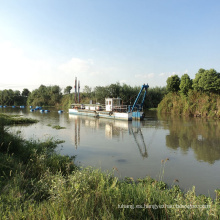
x=136, y=149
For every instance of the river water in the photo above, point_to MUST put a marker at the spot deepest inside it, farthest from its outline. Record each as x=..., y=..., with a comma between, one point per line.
x=177, y=150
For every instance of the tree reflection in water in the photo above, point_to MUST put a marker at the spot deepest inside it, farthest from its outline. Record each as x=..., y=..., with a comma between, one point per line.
x=200, y=135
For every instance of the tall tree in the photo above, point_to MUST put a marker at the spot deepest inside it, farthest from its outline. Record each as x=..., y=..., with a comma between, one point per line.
x=45, y=95
x=207, y=81
x=68, y=89
x=173, y=83
x=198, y=76
x=114, y=90
x=101, y=93
x=87, y=90
x=25, y=92
x=185, y=84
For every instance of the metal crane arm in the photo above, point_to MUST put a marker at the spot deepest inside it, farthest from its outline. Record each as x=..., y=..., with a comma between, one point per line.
x=139, y=94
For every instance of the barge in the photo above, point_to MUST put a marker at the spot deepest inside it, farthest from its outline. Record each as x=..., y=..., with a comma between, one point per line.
x=113, y=109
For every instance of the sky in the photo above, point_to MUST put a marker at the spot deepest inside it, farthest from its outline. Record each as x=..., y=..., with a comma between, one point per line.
x=101, y=42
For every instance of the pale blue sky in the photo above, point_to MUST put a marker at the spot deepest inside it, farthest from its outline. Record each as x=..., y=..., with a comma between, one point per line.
x=106, y=41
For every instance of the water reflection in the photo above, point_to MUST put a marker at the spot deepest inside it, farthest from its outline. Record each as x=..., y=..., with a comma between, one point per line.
x=139, y=139
x=200, y=135
x=113, y=129
x=77, y=133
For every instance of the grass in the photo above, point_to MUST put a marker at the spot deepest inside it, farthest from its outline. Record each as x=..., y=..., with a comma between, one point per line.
x=15, y=119
x=152, y=109
x=58, y=127
x=194, y=104
x=92, y=194
x=38, y=183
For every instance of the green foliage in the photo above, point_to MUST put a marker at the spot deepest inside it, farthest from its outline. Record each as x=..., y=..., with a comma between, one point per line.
x=45, y=96
x=25, y=92
x=24, y=163
x=207, y=81
x=15, y=119
x=66, y=100
x=154, y=97
x=201, y=101
x=52, y=96
x=185, y=84
x=100, y=93
x=128, y=94
x=173, y=83
x=198, y=76
x=58, y=127
x=10, y=97
x=68, y=89
x=114, y=90
x=87, y=90
x=91, y=194
x=195, y=104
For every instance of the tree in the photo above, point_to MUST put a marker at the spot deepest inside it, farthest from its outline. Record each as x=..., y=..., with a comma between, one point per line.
x=88, y=91
x=68, y=89
x=114, y=90
x=17, y=93
x=101, y=93
x=1, y=97
x=185, y=84
x=198, y=76
x=25, y=92
x=154, y=96
x=173, y=83
x=8, y=97
x=55, y=94
x=45, y=95
x=207, y=81
x=126, y=94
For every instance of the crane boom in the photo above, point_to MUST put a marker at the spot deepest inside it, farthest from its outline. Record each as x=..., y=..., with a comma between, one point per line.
x=139, y=106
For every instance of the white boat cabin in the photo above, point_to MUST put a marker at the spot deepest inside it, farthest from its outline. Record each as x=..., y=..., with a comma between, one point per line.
x=111, y=103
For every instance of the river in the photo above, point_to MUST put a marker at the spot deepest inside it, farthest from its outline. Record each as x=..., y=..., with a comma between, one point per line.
x=177, y=150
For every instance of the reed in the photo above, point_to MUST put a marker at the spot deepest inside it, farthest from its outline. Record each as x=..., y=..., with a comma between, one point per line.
x=194, y=104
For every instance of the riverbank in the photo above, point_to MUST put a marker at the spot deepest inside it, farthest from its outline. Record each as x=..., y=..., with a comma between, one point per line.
x=38, y=183
x=195, y=104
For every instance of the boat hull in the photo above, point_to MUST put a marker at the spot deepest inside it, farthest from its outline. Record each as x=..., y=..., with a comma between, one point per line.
x=103, y=114
x=127, y=116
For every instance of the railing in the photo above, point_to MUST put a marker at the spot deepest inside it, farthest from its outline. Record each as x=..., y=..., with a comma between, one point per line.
x=120, y=108
x=98, y=107
x=92, y=107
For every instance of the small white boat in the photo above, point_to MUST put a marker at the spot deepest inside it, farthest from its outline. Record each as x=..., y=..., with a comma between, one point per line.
x=113, y=109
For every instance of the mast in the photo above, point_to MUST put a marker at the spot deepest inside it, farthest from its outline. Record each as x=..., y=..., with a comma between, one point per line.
x=75, y=89
x=78, y=91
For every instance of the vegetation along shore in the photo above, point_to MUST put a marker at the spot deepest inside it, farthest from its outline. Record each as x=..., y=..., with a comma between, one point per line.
x=36, y=182
x=199, y=97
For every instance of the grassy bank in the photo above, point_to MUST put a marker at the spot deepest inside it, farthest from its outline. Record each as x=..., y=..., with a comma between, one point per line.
x=38, y=183
x=14, y=119
x=196, y=104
